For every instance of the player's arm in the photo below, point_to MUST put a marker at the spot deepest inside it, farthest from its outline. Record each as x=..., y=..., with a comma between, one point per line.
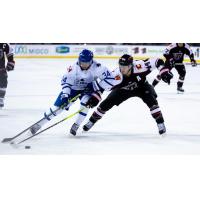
x=190, y=53
x=10, y=57
x=164, y=70
x=169, y=62
x=110, y=79
x=66, y=84
x=167, y=52
x=193, y=61
x=106, y=80
x=150, y=64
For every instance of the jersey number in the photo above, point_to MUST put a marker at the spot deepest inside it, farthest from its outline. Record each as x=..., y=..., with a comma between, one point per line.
x=106, y=74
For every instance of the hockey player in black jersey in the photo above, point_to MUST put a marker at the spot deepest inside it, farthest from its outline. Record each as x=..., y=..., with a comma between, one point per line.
x=5, y=51
x=133, y=84
x=174, y=55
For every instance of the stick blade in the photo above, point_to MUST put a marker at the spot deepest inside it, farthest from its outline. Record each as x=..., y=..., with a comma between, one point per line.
x=5, y=140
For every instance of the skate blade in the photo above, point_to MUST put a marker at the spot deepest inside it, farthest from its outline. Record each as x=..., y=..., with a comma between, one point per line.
x=179, y=92
x=6, y=140
x=163, y=135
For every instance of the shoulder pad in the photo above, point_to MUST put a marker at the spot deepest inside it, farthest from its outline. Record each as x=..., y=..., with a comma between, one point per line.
x=96, y=64
x=171, y=46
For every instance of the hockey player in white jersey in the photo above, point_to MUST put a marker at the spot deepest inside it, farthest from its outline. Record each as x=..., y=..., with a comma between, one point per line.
x=79, y=80
x=130, y=81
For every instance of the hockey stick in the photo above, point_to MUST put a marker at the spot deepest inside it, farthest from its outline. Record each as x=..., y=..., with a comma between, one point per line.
x=68, y=117
x=5, y=140
x=180, y=64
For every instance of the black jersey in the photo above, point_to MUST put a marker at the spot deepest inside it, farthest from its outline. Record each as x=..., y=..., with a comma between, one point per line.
x=133, y=81
x=177, y=53
x=139, y=71
x=5, y=50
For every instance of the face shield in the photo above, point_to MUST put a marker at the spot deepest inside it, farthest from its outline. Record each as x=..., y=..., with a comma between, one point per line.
x=85, y=65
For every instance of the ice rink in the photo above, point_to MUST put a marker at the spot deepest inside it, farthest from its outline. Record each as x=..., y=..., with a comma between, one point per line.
x=127, y=129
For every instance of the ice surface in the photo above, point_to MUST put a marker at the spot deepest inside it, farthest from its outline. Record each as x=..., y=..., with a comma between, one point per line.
x=127, y=129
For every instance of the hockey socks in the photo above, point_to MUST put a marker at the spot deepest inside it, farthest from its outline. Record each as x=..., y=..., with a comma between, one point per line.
x=157, y=115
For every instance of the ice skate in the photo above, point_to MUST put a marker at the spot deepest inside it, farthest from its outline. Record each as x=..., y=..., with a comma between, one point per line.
x=74, y=129
x=88, y=126
x=180, y=90
x=1, y=103
x=161, y=128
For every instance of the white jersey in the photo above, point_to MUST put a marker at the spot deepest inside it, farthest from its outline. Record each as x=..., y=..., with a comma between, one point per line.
x=78, y=79
x=140, y=66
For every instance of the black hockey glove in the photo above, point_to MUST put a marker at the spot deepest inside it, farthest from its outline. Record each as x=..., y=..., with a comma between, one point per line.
x=94, y=100
x=10, y=66
x=166, y=75
x=193, y=63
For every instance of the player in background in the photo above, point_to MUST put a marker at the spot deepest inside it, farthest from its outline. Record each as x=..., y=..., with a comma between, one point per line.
x=131, y=77
x=6, y=52
x=79, y=79
x=174, y=55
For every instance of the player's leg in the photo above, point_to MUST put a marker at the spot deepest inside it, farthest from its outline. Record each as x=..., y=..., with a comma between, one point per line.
x=148, y=95
x=116, y=97
x=82, y=115
x=53, y=111
x=3, y=86
x=182, y=72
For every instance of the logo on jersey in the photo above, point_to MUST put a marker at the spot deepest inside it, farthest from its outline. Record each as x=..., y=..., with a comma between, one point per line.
x=177, y=56
x=69, y=69
x=130, y=86
x=117, y=77
x=138, y=66
x=81, y=82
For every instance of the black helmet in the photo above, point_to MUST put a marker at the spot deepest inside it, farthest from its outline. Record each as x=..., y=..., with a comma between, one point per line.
x=126, y=60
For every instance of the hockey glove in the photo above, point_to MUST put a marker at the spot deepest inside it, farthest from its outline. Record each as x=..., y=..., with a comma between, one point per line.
x=193, y=63
x=10, y=66
x=94, y=100
x=64, y=99
x=166, y=75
